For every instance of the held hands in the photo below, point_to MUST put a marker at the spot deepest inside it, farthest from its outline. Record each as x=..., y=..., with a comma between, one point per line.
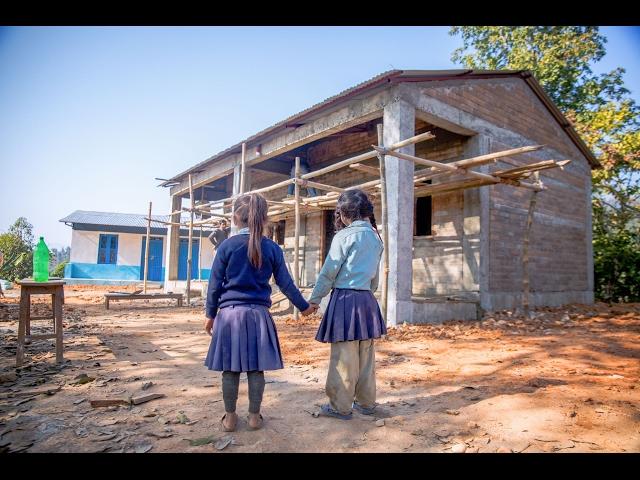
x=313, y=307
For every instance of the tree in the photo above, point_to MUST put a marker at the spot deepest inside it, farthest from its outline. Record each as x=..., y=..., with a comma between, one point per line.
x=17, y=248
x=601, y=112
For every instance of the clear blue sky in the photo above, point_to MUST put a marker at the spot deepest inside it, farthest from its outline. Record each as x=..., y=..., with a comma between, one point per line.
x=90, y=115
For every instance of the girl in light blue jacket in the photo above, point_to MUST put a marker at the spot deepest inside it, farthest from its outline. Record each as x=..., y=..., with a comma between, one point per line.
x=352, y=319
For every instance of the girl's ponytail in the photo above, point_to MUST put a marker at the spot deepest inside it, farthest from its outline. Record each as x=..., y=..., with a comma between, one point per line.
x=256, y=219
x=251, y=210
x=372, y=219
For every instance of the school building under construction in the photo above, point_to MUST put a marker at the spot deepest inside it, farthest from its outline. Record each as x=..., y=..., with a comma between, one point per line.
x=482, y=191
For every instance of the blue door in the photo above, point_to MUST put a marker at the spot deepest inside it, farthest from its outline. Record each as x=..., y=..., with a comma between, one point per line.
x=182, y=259
x=155, y=259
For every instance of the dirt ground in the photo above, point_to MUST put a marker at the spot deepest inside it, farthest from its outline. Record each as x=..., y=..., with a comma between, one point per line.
x=564, y=381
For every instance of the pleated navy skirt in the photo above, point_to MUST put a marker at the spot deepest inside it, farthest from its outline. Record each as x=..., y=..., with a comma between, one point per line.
x=351, y=315
x=244, y=339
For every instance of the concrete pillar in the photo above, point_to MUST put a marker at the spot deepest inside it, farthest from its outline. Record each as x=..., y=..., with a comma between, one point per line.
x=236, y=190
x=474, y=146
x=399, y=124
x=480, y=145
x=173, y=242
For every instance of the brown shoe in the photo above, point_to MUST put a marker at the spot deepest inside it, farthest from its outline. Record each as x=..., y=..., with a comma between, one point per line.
x=234, y=423
x=253, y=425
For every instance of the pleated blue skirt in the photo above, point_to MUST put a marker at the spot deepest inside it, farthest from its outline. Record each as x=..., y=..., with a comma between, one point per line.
x=351, y=315
x=244, y=338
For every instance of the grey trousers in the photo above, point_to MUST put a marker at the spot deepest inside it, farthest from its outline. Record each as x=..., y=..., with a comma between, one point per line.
x=231, y=383
x=351, y=375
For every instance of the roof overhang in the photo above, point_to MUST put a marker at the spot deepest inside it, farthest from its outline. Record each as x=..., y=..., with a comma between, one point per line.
x=396, y=77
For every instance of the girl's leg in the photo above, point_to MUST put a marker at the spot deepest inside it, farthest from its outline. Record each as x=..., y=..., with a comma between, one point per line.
x=343, y=375
x=366, y=386
x=256, y=390
x=230, y=384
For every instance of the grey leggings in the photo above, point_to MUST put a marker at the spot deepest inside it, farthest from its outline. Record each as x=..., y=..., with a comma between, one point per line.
x=230, y=384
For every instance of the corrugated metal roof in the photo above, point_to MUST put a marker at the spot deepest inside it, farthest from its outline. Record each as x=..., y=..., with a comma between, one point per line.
x=399, y=76
x=115, y=219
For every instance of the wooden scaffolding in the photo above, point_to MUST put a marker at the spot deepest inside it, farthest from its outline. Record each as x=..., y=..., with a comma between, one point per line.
x=450, y=176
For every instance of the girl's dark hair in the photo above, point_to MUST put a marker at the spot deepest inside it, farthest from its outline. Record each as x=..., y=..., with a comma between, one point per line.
x=354, y=204
x=251, y=210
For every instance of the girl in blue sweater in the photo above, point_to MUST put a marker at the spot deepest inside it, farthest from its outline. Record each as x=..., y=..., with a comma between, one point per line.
x=243, y=334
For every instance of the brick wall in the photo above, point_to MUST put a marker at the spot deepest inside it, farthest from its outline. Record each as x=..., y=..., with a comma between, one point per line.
x=438, y=259
x=508, y=103
x=560, y=236
x=558, y=242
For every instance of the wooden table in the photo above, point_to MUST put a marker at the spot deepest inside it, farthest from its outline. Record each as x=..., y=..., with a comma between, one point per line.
x=28, y=287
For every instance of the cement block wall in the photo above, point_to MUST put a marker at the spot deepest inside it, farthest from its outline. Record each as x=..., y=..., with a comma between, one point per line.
x=561, y=262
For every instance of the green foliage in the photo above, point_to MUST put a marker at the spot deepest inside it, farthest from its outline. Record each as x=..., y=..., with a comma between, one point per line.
x=601, y=112
x=17, y=248
x=617, y=263
x=58, y=270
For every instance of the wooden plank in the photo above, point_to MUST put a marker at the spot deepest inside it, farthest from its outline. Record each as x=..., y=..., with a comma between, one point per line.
x=34, y=392
x=146, y=398
x=109, y=402
x=148, y=296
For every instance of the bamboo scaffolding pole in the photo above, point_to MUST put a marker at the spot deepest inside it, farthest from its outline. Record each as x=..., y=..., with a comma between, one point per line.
x=385, y=225
x=219, y=215
x=366, y=156
x=166, y=223
x=243, y=159
x=275, y=186
x=146, y=252
x=190, y=248
x=532, y=168
x=456, y=169
x=319, y=186
x=479, y=160
x=489, y=157
x=296, y=244
x=525, y=251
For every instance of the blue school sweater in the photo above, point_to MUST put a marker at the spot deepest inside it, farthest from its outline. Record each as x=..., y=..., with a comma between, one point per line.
x=234, y=281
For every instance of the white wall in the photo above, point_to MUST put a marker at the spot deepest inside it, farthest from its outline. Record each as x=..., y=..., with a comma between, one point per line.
x=207, y=252
x=84, y=247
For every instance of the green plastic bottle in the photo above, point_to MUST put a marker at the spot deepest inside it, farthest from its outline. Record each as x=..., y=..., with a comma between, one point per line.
x=41, y=262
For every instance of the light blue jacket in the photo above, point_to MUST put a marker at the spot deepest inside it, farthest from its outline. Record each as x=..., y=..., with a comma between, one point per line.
x=352, y=261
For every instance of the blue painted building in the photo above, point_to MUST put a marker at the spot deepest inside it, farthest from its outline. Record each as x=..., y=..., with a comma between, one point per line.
x=109, y=249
